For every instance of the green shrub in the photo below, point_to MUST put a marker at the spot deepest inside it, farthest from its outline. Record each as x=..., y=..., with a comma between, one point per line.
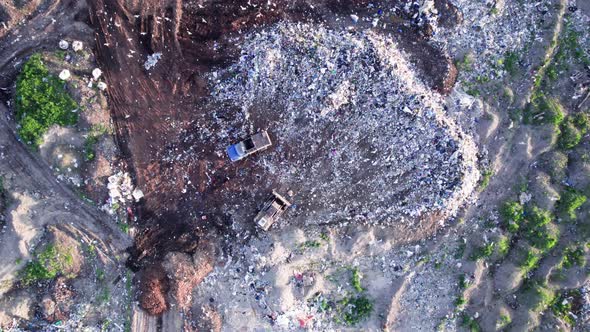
x=503, y=246
x=570, y=201
x=538, y=217
x=543, y=237
x=355, y=280
x=555, y=164
x=573, y=256
x=513, y=215
x=511, y=62
x=542, y=296
x=530, y=261
x=355, y=309
x=486, y=175
x=483, y=252
x=41, y=101
x=544, y=110
x=569, y=136
x=470, y=323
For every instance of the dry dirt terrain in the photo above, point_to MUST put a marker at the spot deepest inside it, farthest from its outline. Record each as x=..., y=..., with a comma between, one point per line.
x=435, y=153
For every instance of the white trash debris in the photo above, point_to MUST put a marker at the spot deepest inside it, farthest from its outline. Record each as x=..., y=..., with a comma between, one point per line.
x=101, y=86
x=64, y=45
x=137, y=194
x=152, y=60
x=120, y=188
x=65, y=74
x=96, y=73
x=77, y=45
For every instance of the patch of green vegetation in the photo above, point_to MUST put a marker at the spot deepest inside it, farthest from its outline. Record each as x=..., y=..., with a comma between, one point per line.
x=511, y=63
x=470, y=323
x=530, y=261
x=486, y=175
x=543, y=238
x=324, y=237
x=503, y=245
x=96, y=132
x=463, y=282
x=60, y=54
x=483, y=252
x=41, y=101
x=573, y=256
x=466, y=64
x=460, y=301
x=123, y=226
x=541, y=295
x=561, y=305
x=104, y=295
x=99, y=274
x=460, y=249
x=555, y=164
x=538, y=217
x=569, y=135
x=310, y=244
x=513, y=214
x=355, y=280
x=503, y=322
x=353, y=310
x=543, y=110
x=570, y=201
x=47, y=265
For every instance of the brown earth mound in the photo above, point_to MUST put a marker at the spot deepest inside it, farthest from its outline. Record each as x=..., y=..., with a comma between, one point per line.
x=153, y=288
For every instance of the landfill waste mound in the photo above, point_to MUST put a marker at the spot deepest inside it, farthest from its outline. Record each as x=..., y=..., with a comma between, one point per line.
x=366, y=140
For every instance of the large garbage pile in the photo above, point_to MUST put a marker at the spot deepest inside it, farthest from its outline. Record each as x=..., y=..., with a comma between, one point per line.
x=357, y=135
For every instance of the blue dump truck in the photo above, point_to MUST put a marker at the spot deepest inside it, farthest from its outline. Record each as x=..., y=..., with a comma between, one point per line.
x=252, y=144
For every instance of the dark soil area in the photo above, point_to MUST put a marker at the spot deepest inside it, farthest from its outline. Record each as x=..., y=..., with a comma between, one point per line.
x=151, y=108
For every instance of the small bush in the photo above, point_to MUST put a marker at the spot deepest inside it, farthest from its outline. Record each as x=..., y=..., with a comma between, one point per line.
x=41, y=101
x=538, y=217
x=470, y=323
x=503, y=246
x=511, y=62
x=485, y=179
x=530, y=261
x=570, y=201
x=543, y=237
x=483, y=252
x=355, y=309
x=561, y=305
x=573, y=256
x=542, y=295
x=544, y=110
x=569, y=136
x=513, y=215
x=355, y=280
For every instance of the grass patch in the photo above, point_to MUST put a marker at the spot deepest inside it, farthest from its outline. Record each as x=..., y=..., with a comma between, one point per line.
x=310, y=244
x=47, y=265
x=542, y=296
x=570, y=134
x=41, y=101
x=503, y=322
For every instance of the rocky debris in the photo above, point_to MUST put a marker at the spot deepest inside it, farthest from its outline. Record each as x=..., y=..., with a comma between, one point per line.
x=152, y=60
x=584, y=318
x=385, y=126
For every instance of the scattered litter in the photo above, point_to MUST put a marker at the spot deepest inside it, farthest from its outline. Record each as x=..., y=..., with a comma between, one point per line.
x=101, y=86
x=64, y=45
x=152, y=60
x=96, y=73
x=65, y=74
x=77, y=45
